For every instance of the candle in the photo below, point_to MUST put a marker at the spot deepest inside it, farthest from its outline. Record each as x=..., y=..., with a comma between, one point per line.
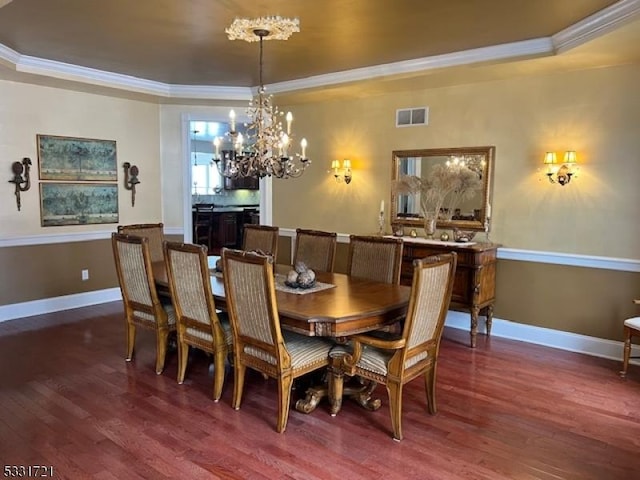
x=488, y=210
x=289, y=120
x=216, y=143
x=303, y=145
x=382, y=206
x=285, y=144
x=232, y=117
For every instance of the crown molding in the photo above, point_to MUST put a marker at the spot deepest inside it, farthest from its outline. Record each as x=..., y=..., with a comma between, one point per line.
x=526, y=48
x=600, y=23
x=587, y=29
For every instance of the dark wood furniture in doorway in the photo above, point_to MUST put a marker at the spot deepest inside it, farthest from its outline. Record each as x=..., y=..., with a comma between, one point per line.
x=474, y=286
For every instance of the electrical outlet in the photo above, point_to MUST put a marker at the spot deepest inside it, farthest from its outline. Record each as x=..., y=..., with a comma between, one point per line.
x=85, y=275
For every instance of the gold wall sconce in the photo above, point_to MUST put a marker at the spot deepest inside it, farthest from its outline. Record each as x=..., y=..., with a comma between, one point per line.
x=131, y=173
x=342, y=173
x=21, y=177
x=562, y=173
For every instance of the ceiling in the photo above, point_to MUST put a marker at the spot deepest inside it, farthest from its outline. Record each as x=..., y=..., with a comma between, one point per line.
x=183, y=43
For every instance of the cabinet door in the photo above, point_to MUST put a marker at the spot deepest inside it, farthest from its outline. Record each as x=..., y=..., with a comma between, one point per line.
x=228, y=230
x=247, y=183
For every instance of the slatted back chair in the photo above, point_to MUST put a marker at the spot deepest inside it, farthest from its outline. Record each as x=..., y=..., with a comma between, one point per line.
x=631, y=329
x=203, y=224
x=153, y=231
x=258, y=341
x=198, y=323
x=394, y=362
x=261, y=237
x=316, y=249
x=142, y=306
x=375, y=258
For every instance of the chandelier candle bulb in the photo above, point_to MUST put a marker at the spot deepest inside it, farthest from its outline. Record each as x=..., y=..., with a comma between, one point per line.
x=382, y=207
x=303, y=146
x=289, y=120
x=216, y=144
x=232, y=120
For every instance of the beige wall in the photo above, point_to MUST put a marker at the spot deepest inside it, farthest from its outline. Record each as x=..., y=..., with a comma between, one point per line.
x=595, y=112
x=28, y=110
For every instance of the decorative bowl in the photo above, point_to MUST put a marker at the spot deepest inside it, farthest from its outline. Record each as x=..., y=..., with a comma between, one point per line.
x=463, y=235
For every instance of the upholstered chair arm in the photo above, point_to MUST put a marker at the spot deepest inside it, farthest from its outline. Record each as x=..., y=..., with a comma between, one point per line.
x=357, y=341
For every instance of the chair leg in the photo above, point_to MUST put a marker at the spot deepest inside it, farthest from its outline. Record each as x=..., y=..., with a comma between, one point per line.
x=131, y=340
x=238, y=382
x=284, y=396
x=183, y=358
x=162, y=337
x=430, y=386
x=394, y=389
x=218, y=372
x=627, y=351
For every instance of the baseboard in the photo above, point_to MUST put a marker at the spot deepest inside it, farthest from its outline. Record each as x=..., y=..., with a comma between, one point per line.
x=57, y=304
x=572, y=342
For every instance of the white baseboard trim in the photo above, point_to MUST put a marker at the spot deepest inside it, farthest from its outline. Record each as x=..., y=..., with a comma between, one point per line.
x=57, y=304
x=572, y=342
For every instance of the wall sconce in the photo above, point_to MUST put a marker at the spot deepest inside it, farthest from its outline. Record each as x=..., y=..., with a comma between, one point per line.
x=22, y=183
x=131, y=180
x=563, y=173
x=346, y=170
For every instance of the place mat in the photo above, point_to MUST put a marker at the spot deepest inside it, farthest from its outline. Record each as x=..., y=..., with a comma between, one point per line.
x=280, y=285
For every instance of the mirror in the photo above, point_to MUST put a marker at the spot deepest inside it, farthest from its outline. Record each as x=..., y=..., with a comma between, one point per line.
x=430, y=179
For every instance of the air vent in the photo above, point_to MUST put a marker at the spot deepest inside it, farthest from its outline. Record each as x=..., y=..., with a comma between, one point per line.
x=409, y=117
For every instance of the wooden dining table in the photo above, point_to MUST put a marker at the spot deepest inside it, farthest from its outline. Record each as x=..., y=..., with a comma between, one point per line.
x=350, y=306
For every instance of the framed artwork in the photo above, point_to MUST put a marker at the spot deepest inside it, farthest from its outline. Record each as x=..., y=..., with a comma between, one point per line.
x=77, y=159
x=78, y=203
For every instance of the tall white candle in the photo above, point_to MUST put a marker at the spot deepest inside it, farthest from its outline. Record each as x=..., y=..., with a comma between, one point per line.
x=382, y=206
x=488, y=210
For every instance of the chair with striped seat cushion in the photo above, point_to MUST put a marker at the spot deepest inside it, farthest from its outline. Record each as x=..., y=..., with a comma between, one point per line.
x=316, y=249
x=258, y=341
x=631, y=329
x=263, y=238
x=142, y=306
x=198, y=322
x=375, y=258
x=153, y=231
x=394, y=362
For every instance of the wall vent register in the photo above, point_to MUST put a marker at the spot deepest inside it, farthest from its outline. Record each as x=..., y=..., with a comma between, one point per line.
x=408, y=117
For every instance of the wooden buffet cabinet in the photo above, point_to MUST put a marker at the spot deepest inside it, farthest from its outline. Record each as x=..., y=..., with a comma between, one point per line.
x=474, y=286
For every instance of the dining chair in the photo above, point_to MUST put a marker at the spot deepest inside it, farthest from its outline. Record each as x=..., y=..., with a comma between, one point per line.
x=262, y=238
x=375, y=258
x=631, y=329
x=395, y=362
x=142, y=306
x=258, y=341
x=197, y=322
x=153, y=231
x=316, y=249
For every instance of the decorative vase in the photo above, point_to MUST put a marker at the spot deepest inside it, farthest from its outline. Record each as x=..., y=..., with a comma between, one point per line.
x=430, y=227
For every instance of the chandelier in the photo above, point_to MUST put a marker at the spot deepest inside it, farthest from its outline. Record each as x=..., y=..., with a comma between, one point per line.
x=267, y=148
x=475, y=163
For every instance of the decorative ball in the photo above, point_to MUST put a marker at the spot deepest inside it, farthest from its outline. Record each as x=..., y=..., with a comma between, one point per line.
x=306, y=279
x=300, y=267
x=292, y=277
x=444, y=237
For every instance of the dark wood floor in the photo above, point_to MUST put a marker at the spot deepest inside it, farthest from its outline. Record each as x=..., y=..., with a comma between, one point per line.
x=507, y=410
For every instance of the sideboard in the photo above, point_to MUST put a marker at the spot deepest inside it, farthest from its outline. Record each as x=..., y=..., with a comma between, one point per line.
x=474, y=286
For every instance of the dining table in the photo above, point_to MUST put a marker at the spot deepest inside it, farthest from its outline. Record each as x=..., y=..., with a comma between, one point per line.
x=338, y=307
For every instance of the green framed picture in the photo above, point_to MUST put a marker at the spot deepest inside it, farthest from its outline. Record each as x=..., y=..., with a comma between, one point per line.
x=77, y=159
x=78, y=203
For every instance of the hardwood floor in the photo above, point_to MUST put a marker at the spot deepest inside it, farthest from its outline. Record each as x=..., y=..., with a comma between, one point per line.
x=507, y=410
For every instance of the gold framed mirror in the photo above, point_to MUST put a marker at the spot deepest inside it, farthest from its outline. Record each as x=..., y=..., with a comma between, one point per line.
x=455, y=182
